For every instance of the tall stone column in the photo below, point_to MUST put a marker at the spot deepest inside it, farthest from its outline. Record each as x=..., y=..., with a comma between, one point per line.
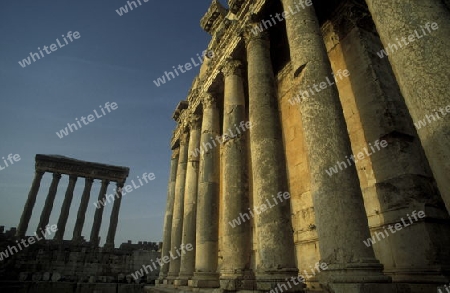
x=339, y=208
x=82, y=209
x=62, y=221
x=178, y=208
x=421, y=67
x=114, y=218
x=273, y=225
x=28, y=208
x=207, y=227
x=236, y=239
x=169, y=213
x=48, y=206
x=98, y=214
x=187, y=264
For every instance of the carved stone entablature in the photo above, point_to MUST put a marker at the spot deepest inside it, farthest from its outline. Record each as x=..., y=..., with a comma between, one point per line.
x=345, y=18
x=183, y=105
x=193, y=97
x=213, y=17
x=235, y=5
x=69, y=166
x=181, y=127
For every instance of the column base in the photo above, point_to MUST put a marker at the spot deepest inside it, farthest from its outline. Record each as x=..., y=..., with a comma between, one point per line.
x=205, y=280
x=182, y=279
x=268, y=280
x=180, y=282
x=240, y=280
x=170, y=279
x=430, y=275
x=370, y=271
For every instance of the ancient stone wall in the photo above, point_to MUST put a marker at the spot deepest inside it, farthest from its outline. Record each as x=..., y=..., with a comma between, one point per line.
x=332, y=126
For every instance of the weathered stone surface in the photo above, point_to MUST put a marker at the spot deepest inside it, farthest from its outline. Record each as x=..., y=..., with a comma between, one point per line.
x=421, y=70
x=331, y=215
x=206, y=255
x=178, y=209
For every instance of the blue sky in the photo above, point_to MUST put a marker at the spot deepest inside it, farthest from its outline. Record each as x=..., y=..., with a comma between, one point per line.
x=116, y=59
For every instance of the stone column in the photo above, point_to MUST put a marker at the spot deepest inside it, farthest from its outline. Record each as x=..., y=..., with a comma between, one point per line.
x=273, y=225
x=98, y=214
x=48, y=206
x=169, y=213
x=187, y=264
x=82, y=209
x=178, y=208
x=420, y=64
x=114, y=218
x=339, y=208
x=207, y=227
x=62, y=221
x=236, y=239
x=28, y=208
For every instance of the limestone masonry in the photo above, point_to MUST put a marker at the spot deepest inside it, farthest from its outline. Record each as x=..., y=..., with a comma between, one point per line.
x=267, y=55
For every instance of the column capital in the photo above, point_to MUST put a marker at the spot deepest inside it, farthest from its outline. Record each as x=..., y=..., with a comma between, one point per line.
x=195, y=121
x=89, y=179
x=248, y=32
x=209, y=101
x=184, y=138
x=232, y=67
x=120, y=185
x=56, y=176
x=73, y=178
x=175, y=153
x=39, y=173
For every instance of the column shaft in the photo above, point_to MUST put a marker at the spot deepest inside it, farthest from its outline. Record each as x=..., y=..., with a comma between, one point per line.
x=206, y=255
x=98, y=214
x=114, y=219
x=276, y=259
x=339, y=208
x=62, y=221
x=82, y=209
x=169, y=212
x=178, y=208
x=236, y=237
x=28, y=208
x=187, y=264
x=48, y=206
x=421, y=67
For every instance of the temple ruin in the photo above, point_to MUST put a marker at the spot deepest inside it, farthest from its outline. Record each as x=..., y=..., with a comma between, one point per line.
x=53, y=264
x=59, y=165
x=330, y=158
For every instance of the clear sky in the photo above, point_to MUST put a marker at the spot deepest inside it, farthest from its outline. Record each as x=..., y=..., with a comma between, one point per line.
x=115, y=59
